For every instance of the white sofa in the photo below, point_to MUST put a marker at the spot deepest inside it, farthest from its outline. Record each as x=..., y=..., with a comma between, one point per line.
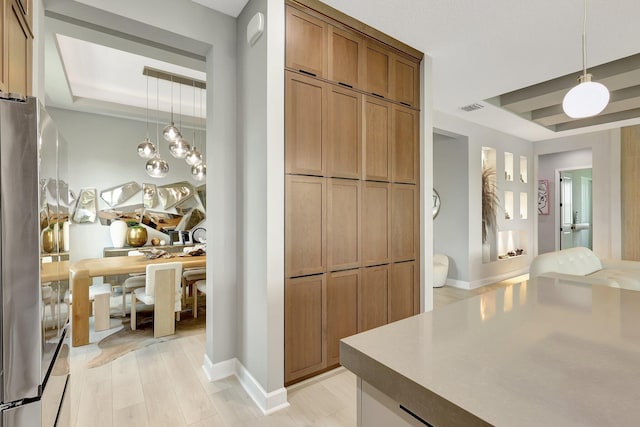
x=440, y=270
x=582, y=265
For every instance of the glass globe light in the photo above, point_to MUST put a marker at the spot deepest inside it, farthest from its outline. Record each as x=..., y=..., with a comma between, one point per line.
x=157, y=168
x=171, y=133
x=179, y=148
x=587, y=99
x=146, y=149
x=193, y=157
x=199, y=172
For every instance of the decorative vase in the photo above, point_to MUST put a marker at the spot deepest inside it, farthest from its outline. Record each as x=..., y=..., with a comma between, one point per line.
x=118, y=231
x=65, y=236
x=48, y=243
x=137, y=236
x=486, y=252
x=58, y=236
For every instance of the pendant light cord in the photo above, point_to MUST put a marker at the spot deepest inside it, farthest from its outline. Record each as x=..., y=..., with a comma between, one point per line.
x=172, y=100
x=158, y=115
x=203, y=124
x=147, y=106
x=584, y=40
x=194, y=113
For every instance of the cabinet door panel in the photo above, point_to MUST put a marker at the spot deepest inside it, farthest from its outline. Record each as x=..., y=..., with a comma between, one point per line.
x=343, y=224
x=19, y=46
x=306, y=43
x=372, y=297
x=404, y=222
x=376, y=223
x=305, y=125
x=378, y=69
x=346, y=55
x=342, y=313
x=305, y=235
x=402, y=290
x=405, y=146
x=304, y=325
x=344, y=130
x=406, y=81
x=377, y=140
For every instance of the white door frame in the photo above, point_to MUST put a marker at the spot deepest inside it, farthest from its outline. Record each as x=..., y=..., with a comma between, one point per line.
x=556, y=197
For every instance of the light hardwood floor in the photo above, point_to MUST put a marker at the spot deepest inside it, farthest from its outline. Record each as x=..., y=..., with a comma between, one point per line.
x=164, y=385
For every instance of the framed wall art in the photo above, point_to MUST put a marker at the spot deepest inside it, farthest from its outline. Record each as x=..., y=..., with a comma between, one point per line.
x=543, y=197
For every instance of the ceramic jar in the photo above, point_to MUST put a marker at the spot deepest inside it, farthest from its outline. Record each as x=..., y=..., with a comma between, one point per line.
x=118, y=231
x=48, y=242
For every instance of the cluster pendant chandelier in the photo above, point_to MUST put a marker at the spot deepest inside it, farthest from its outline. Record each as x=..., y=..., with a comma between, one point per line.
x=179, y=147
x=588, y=98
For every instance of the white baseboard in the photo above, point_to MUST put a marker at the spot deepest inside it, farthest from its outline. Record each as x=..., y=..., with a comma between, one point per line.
x=461, y=284
x=218, y=371
x=267, y=402
x=498, y=278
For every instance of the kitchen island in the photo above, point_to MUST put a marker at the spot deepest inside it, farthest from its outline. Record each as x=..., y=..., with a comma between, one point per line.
x=531, y=354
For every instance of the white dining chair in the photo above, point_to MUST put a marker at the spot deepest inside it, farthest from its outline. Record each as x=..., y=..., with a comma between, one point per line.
x=133, y=282
x=198, y=287
x=189, y=277
x=163, y=290
x=100, y=299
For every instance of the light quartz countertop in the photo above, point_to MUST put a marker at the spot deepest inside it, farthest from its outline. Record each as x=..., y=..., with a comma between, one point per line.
x=537, y=353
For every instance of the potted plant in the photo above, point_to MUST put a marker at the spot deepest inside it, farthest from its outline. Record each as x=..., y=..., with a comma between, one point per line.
x=489, y=202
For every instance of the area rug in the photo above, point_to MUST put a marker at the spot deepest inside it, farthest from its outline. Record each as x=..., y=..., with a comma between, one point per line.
x=125, y=340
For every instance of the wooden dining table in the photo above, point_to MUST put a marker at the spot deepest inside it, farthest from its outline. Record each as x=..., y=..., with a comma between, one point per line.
x=54, y=271
x=80, y=275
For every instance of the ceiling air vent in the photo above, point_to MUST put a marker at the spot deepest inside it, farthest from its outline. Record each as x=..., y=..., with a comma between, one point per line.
x=472, y=107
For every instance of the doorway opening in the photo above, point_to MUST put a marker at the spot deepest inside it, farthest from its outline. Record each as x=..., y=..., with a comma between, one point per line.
x=575, y=210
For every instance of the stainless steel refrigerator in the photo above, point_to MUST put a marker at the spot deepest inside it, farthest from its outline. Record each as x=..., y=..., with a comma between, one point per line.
x=33, y=343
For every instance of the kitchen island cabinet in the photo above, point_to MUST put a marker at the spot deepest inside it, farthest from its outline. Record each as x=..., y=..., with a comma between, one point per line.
x=531, y=354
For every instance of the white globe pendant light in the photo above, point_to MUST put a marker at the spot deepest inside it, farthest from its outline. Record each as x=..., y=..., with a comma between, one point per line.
x=588, y=98
x=585, y=100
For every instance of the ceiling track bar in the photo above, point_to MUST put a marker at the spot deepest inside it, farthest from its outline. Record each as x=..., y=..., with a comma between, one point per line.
x=176, y=78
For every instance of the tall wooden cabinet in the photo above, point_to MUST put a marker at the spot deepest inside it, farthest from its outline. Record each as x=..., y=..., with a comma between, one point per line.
x=305, y=225
x=344, y=130
x=351, y=187
x=16, y=46
x=346, y=66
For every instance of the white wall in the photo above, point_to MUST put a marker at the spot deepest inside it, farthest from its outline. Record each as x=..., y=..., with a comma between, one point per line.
x=548, y=164
x=451, y=226
x=605, y=148
x=102, y=154
x=261, y=205
x=426, y=184
x=478, y=136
